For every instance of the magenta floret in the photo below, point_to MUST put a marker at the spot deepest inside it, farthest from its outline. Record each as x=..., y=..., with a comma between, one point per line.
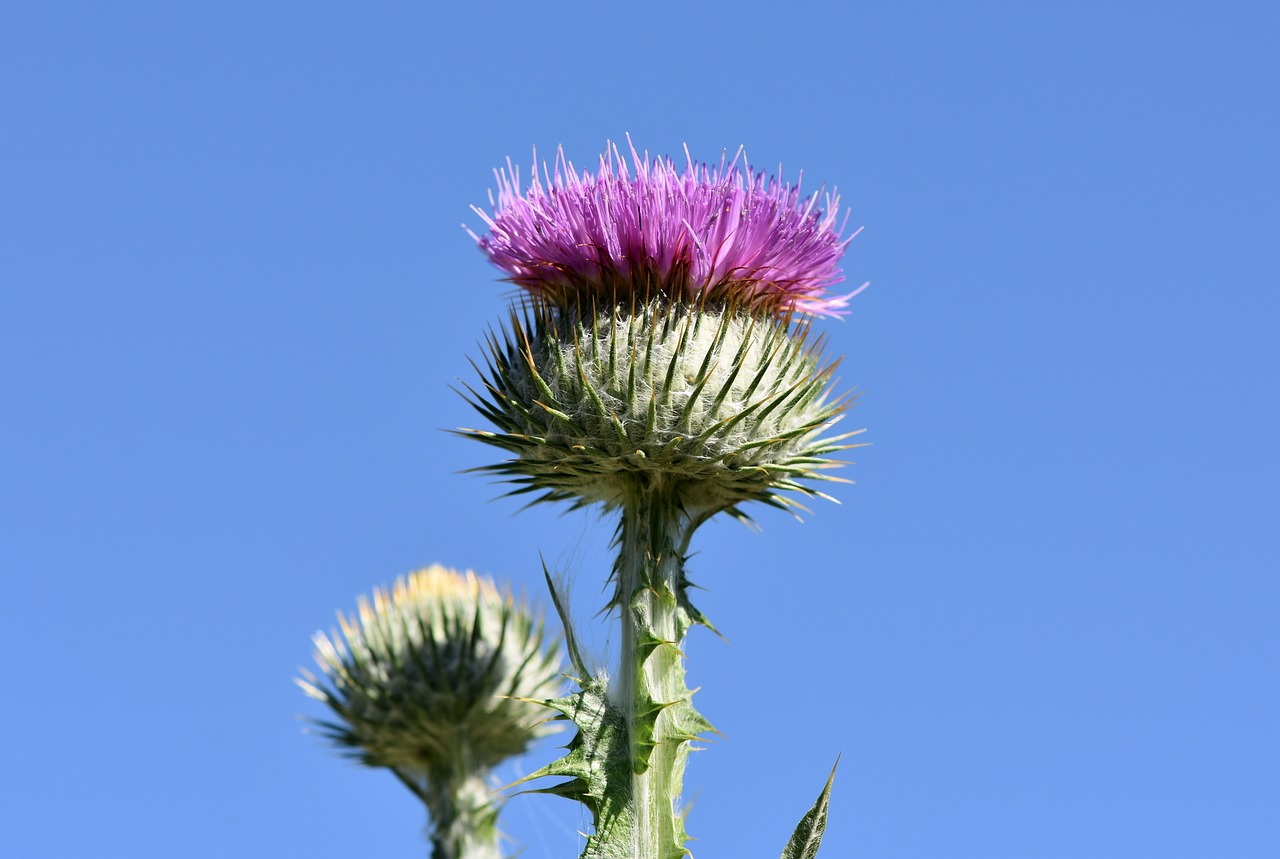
x=705, y=230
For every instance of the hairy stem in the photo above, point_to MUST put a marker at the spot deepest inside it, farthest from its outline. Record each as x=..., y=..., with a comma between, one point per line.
x=463, y=818
x=650, y=685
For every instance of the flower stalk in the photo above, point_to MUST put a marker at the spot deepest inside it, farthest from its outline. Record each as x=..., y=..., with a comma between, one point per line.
x=655, y=616
x=464, y=818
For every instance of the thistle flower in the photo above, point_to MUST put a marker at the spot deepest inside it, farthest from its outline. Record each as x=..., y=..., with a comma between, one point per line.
x=704, y=231
x=658, y=347
x=431, y=679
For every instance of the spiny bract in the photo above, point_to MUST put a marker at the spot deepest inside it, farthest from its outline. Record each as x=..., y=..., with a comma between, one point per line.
x=715, y=406
x=427, y=678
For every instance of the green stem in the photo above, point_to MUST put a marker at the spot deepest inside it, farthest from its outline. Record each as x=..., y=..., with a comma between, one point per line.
x=650, y=685
x=464, y=819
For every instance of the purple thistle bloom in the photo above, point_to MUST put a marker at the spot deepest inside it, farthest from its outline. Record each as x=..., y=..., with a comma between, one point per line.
x=722, y=232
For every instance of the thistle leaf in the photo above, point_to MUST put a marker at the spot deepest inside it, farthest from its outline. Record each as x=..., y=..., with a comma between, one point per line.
x=597, y=768
x=566, y=622
x=808, y=835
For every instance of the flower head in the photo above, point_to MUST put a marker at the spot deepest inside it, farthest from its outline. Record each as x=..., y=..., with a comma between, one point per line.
x=654, y=230
x=428, y=677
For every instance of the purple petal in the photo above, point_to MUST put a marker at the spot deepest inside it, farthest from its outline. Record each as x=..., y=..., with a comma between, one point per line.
x=645, y=226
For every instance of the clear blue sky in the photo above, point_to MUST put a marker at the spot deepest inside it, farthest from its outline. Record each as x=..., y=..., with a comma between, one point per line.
x=234, y=294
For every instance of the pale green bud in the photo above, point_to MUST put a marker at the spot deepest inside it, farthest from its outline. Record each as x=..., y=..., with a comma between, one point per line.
x=430, y=677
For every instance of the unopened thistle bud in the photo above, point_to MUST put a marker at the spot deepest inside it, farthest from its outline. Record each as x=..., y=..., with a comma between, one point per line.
x=431, y=679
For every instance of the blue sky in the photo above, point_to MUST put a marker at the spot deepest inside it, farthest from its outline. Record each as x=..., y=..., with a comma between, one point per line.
x=235, y=294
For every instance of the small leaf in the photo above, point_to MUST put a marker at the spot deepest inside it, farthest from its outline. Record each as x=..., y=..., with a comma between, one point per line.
x=808, y=835
x=566, y=623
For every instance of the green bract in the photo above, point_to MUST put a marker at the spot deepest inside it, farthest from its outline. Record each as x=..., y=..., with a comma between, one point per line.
x=427, y=678
x=709, y=406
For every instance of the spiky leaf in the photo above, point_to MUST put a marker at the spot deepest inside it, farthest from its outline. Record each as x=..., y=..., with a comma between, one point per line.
x=808, y=835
